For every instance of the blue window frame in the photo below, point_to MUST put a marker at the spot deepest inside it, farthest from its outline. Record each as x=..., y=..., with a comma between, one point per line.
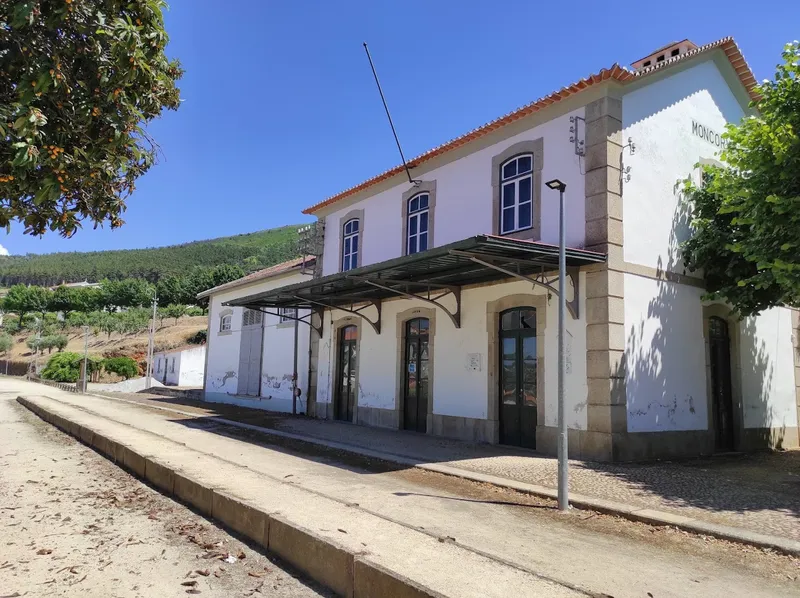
x=516, y=194
x=417, y=225
x=350, y=234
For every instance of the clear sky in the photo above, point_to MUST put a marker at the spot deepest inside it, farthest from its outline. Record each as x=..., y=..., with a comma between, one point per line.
x=280, y=109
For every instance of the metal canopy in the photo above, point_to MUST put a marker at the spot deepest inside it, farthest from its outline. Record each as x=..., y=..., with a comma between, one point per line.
x=429, y=276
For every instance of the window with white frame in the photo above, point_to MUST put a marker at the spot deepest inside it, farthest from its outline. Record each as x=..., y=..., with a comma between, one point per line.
x=417, y=225
x=516, y=194
x=225, y=323
x=350, y=234
x=287, y=314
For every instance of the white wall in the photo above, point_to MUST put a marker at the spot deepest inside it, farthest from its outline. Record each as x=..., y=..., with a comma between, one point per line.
x=658, y=117
x=277, y=362
x=192, y=363
x=665, y=356
x=767, y=360
x=464, y=200
x=457, y=390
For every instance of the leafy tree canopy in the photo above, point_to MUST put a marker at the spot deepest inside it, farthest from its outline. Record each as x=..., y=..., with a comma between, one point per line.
x=78, y=80
x=746, y=215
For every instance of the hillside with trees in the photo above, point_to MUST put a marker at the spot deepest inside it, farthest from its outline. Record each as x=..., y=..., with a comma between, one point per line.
x=248, y=252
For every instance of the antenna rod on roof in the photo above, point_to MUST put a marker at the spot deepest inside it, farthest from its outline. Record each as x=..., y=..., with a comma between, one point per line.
x=389, y=116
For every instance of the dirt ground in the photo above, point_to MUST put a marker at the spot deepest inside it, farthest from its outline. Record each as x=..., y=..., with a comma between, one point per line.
x=73, y=524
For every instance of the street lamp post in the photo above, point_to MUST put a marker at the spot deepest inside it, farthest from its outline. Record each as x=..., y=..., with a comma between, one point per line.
x=563, y=463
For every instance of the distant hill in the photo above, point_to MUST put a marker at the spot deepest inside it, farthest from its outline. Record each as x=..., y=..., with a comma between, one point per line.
x=251, y=251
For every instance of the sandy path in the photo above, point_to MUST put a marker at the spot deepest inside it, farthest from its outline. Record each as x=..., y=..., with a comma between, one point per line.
x=73, y=524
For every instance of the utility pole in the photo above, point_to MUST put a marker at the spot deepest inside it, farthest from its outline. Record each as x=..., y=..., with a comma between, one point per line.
x=151, y=344
x=85, y=358
x=36, y=350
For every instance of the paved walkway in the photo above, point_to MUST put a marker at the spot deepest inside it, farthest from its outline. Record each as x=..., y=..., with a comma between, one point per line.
x=459, y=539
x=759, y=492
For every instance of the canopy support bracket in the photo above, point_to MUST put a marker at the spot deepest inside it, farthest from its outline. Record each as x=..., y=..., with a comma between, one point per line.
x=538, y=280
x=455, y=316
x=376, y=303
x=302, y=319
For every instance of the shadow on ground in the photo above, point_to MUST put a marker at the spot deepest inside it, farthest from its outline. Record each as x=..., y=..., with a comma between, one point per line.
x=739, y=483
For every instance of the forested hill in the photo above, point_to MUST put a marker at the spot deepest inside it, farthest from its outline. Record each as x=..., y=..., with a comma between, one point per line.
x=251, y=251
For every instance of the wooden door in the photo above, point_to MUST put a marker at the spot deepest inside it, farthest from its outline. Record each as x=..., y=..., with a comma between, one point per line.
x=345, y=395
x=416, y=387
x=249, y=382
x=518, y=377
x=721, y=388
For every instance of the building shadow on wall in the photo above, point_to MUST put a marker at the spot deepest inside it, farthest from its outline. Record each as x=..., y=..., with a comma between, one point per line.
x=730, y=482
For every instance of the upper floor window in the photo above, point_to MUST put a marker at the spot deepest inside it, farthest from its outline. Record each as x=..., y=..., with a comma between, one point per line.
x=350, y=245
x=417, y=225
x=287, y=314
x=225, y=323
x=516, y=194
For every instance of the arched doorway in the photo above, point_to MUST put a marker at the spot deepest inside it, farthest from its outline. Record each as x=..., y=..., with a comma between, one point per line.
x=719, y=343
x=416, y=384
x=518, y=379
x=346, y=388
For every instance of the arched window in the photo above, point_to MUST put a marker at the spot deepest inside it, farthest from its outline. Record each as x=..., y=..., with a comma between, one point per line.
x=350, y=244
x=225, y=323
x=516, y=194
x=417, y=225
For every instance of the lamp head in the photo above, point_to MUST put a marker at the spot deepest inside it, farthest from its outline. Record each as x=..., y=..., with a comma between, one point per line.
x=555, y=184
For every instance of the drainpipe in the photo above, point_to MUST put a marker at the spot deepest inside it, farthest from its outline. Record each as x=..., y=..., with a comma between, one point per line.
x=294, y=369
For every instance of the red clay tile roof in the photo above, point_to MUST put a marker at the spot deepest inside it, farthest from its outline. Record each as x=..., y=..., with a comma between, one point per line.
x=615, y=72
x=262, y=274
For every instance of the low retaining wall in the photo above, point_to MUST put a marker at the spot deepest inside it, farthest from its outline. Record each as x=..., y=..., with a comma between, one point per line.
x=324, y=561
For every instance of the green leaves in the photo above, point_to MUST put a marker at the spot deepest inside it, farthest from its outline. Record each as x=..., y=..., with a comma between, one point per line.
x=746, y=218
x=72, y=102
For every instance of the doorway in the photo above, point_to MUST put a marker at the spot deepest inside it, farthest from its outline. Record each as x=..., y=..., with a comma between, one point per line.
x=518, y=383
x=346, y=387
x=719, y=343
x=416, y=365
x=249, y=382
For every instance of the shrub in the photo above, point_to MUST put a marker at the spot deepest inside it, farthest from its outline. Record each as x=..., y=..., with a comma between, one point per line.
x=63, y=367
x=11, y=324
x=195, y=311
x=34, y=344
x=60, y=341
x=198, y=338
x=6, y=342
x=122, y=366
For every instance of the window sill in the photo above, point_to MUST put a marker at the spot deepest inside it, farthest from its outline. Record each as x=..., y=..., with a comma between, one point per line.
x=528, y=234
x=224, y=332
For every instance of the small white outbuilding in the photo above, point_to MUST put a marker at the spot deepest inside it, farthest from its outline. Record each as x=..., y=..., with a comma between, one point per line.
x=182, y=366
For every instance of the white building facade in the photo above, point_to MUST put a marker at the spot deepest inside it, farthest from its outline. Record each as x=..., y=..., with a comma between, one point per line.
x=250, y=352
x=434, y=301
x=182, y=366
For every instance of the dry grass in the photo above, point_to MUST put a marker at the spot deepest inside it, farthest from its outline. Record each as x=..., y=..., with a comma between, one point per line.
x=132, y=345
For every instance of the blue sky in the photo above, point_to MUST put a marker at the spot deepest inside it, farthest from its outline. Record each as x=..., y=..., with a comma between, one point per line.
x=280, y=109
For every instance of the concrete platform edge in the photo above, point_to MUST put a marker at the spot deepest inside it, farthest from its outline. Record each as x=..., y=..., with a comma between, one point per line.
x=578, y=501
x=325, y=561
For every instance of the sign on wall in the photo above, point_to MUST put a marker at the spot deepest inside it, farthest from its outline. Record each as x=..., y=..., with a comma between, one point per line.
x=708, y=134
